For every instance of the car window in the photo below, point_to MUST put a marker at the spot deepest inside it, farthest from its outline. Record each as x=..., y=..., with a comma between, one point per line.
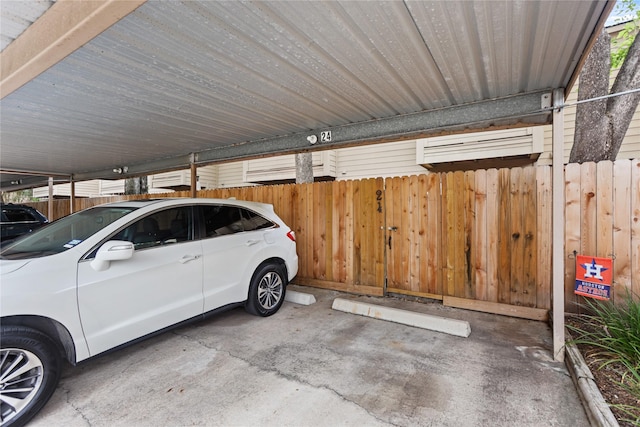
x=16, y=215
x=253, y=221
x=220, y=220
x=168, y=226
x=64, y=233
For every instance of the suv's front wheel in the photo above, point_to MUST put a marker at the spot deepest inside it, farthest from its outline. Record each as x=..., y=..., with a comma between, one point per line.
x=29, y=373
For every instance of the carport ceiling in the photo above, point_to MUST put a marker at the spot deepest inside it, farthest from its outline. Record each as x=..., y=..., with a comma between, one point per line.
x=169, y=82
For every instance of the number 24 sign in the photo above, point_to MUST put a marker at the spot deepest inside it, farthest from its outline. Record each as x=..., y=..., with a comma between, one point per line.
x=325, y=136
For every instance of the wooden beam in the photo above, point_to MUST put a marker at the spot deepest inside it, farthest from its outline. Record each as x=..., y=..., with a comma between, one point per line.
x=50, y=200
x=60, y=31
x=194, y=180
x=336, y=286
x=403, y=293
x=72, y=198
x=497, y=308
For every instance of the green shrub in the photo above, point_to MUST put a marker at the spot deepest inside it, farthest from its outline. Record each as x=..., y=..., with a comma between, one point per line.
x=614, y=331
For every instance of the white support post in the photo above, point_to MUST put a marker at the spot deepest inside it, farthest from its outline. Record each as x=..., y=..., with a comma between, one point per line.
x=558, y=225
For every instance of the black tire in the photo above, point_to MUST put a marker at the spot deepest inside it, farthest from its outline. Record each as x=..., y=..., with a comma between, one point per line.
x=267, y=290
x=26, y=348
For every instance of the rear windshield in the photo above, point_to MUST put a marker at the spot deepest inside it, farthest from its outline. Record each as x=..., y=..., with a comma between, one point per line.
x=64, y=233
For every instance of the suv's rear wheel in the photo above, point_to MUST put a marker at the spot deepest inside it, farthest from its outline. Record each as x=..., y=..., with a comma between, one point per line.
x=29, y=373
x=267, y=290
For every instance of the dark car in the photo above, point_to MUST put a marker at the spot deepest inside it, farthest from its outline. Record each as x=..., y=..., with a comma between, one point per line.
x=17, y=220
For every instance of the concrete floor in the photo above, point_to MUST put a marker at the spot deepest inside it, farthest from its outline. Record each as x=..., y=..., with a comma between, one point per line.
x=313, y=366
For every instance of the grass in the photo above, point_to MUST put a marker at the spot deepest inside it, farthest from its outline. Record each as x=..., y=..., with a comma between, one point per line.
x=614, y=331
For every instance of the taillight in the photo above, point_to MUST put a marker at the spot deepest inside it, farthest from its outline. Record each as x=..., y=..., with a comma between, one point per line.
x=292, y=235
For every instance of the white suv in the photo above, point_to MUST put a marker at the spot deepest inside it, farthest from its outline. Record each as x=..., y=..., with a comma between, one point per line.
x=115, y=273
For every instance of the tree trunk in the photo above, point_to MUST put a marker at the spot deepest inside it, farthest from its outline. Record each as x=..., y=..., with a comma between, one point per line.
x=601, y=125
x=304, y=168
x=137, y=185
x=622, y=108
x=592, y=124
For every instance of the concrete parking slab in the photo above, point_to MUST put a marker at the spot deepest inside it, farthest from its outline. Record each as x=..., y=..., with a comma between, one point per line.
x=314, y=366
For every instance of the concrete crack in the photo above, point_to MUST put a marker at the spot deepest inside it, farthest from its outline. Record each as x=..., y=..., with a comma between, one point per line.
x=75, y=408
x=288, y=377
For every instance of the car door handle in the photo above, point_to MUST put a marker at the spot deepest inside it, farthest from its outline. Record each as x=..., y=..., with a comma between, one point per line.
x=185, y=259
x=252, y=242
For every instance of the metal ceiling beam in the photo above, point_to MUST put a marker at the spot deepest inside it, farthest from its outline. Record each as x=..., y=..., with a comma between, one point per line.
x=23, y=182
x=520, y=110
x=525, y=109
x=125, y=171
x=65, y=27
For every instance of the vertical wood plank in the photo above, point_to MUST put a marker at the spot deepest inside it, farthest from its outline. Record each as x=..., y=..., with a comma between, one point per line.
x=350, y=233
x=319, y=240
x=622, y=228
x=433, y=234
x=309, y=230
x=588, y=209
x=530, y=260
x=448, y=224
x=401, y=237
x=493, y=233
x=469, y=211
x=389, y=202
x=338, y=247
x=635, y=228
x=517, y=237
x=329, y=189
x=572, y=231
x=394, y=219
x=297, y=226
x=544, y=236
x=479, y=243
x=604, y=209
x=414, y=231
x=423, y=235
x=365, y=238
x=504, y=236
x=358, y=230
x=459, y=255
x=378, y=232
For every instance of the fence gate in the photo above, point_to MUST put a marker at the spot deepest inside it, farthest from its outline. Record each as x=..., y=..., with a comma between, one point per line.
x=340, y=231
x=413, y=234
x=469, y=238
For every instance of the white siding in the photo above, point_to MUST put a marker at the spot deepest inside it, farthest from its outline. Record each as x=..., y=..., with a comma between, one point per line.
x=379, y=160
x=479, y=145
x=207, y=178
x=108, y=186
x=280, y=168
x=230, y=175
x=82, y=189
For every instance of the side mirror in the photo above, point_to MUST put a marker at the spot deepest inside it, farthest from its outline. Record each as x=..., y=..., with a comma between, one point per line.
x=113, y=250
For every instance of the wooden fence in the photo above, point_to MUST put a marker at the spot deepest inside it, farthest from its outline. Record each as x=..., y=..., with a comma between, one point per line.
x=477, y=239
